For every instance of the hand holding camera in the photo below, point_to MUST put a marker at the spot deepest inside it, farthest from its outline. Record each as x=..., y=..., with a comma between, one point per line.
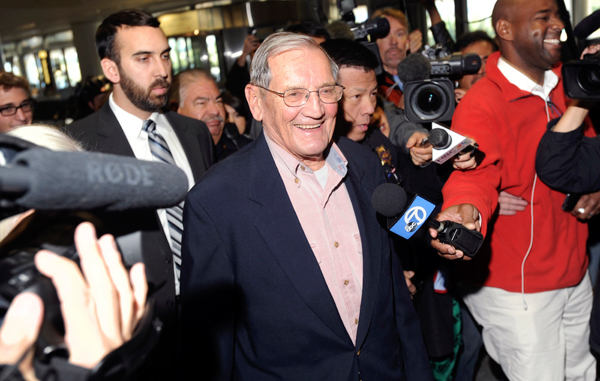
x=101, y=304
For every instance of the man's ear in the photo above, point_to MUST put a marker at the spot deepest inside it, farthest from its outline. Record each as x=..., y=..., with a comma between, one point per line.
x=504, y=30
x=111, y=70
x=255, y=101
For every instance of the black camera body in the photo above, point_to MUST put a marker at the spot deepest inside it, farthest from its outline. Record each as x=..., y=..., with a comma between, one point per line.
x=581, y=79
x=429, y=100
x=432, y=100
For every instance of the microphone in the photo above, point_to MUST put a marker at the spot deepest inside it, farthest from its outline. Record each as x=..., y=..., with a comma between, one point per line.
x=587, y=26
x=389, y=200
x=447, y=143
x=415, y=67
x=41, y=179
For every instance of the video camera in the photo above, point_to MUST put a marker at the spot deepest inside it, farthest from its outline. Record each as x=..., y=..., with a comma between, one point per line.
x=65, y=189
x=582, y=78
x=378, y=28
x=430, y=97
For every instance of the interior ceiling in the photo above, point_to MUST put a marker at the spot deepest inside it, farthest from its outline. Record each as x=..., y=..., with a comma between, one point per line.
x=23, y=18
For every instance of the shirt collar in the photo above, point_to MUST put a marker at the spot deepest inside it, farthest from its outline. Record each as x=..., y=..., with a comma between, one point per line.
x=335, y=159
x=131, y=124
x=524, y=83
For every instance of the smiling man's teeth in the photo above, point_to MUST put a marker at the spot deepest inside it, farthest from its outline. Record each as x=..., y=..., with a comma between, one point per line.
x=308, y=126
x=554, y=41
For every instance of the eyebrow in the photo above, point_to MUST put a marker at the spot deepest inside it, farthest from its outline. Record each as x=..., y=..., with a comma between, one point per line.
x=146, y=52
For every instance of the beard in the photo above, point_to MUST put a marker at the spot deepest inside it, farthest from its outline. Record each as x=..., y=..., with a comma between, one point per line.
x=144, y=99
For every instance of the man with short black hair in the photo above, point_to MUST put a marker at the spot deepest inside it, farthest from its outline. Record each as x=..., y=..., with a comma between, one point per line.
x=527, y=287
x=134, y=55
x=16, y=105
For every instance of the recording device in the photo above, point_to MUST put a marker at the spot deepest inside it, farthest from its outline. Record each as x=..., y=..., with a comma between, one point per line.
x=582, y=78
x=571, y=200
x=373, y=29
x=455, y=234
x=378, y=28
x=428, y=84
x=389, y=200
x=41, y=179
x=67, y=188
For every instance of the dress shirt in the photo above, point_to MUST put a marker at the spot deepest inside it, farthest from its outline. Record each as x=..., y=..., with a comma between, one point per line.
x=525, y=83
x=327, y=218
x=138, y=140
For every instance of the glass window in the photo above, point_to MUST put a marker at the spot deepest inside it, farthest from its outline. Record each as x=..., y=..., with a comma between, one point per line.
x=446, y=10
x=480, y=16
x=213, y=57
x=73, y=69
x=8, y=67
x=31, y=70
x=59, y=69
x=16, y=66
x=190, y=52
x=182, y=53
x=593, y=6
x=173, y=54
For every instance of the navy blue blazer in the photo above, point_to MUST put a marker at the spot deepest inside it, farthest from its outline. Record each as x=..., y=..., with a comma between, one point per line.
x=255, y=305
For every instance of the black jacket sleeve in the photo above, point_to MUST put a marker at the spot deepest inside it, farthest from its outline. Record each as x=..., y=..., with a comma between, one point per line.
x=569, y=162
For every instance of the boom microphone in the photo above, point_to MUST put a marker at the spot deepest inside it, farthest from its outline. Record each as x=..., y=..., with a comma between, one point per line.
x=415, y=67
x=41, y=179
x=587, y=26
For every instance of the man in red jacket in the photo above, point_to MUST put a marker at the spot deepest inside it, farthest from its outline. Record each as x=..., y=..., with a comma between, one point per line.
x=530, y=292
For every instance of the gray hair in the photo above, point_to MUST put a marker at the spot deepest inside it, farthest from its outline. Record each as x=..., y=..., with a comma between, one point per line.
x=278, y=43
x=185, y=78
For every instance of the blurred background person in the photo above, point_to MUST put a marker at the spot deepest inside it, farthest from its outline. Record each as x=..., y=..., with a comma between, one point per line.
x=311, y=29
x=195, y=94
x=236, y=113
x=16, y=105
x=477, y=42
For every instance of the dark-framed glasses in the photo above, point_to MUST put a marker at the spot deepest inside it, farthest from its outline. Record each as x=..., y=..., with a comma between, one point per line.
x=298, y=97
x=26, y=106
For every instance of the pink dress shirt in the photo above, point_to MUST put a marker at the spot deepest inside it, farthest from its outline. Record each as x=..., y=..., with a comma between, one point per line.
x=329, y=223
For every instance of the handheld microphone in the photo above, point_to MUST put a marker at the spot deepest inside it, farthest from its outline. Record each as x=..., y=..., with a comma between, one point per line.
x=41, y=179
x=447, y=143
x=389, y=200
x=587, y=26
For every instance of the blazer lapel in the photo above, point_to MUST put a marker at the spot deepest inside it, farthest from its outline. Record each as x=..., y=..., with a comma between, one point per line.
x=280, y=228
x=189, y=142
x=110, y=136
x=371, y=245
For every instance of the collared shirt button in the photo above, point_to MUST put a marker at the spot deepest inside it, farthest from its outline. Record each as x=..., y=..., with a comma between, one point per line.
x=296, y=180
x=336, y=244
x=355, y=321
x=303, y=168
x=346, y=282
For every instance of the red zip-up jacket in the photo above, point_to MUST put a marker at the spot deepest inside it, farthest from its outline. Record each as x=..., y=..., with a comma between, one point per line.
x=508, y=125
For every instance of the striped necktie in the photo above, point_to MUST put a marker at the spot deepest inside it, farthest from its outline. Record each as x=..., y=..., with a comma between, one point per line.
x=160, y=150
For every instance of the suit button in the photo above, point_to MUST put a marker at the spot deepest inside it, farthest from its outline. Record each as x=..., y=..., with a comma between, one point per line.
x=358, y=353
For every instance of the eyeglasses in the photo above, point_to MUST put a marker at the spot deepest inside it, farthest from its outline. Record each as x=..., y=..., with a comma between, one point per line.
x=299, y=97
x=26, y=106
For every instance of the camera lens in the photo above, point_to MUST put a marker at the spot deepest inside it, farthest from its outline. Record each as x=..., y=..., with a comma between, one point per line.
x=589, y=79
x=429, y=100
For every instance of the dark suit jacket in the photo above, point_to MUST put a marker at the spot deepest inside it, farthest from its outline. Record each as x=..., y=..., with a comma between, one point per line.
x=101, y=132
x=255, y=305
